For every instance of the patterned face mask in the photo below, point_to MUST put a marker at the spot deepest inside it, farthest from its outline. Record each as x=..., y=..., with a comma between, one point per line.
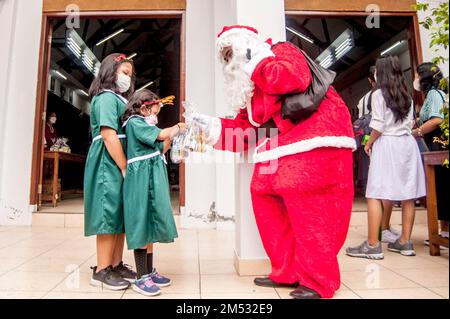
x=151, y=119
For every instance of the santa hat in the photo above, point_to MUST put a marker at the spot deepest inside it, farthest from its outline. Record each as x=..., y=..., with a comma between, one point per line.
x=235, y=29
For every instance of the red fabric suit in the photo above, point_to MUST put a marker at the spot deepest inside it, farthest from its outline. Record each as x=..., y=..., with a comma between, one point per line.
x=303, y=206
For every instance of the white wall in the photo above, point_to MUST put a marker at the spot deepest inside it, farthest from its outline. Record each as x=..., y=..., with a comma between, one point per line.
x=20, y=24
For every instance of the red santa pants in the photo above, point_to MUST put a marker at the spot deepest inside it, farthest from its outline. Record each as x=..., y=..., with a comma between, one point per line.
x=303, y=213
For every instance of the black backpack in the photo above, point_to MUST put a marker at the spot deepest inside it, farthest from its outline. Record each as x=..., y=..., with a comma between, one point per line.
x=361, y=126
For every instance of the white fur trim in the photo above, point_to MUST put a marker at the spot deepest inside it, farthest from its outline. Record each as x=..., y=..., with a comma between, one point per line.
x=253, y=63
x=305, y=146
x=215, y=131
x=243, y=31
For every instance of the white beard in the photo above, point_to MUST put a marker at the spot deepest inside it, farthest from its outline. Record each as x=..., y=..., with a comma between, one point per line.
x=238, y=84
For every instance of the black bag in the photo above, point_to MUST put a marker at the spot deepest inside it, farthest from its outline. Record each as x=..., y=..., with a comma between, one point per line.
x=361, y=127
x=300, y=106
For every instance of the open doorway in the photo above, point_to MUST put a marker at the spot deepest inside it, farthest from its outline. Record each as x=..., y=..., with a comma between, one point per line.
x=343, y=43
x=156, y=46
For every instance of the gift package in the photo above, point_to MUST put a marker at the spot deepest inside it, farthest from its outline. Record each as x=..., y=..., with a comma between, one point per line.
x=194, y=140
x=61, y=146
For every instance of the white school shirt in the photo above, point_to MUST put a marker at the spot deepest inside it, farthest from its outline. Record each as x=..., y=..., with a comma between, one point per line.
x=383, y=119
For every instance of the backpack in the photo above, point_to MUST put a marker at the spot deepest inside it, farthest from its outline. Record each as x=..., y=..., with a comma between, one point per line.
x=361, y=127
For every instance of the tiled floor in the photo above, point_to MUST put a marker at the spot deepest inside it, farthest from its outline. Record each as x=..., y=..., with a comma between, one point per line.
x=51, y=262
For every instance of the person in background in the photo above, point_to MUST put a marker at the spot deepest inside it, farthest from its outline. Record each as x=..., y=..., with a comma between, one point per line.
x=388, y=234
x=396, y=171
x=428, y=80
x=51, y=135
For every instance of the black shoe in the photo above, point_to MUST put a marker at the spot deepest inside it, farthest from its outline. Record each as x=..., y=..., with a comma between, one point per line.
x=303, y=292
x=109, y=279
x=126, y=272
x=267, y=282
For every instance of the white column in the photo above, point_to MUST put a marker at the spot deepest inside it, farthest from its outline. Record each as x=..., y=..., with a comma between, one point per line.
x=20, y=25
x=200, y=174
x=268, y=16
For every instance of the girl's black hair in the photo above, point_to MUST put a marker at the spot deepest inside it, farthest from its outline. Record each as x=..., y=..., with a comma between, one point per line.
x=136, y=101
x=430, y=77
x=392, y=83
x=107, y=76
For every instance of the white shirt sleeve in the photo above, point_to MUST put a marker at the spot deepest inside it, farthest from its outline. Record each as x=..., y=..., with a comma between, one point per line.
x=378, y=112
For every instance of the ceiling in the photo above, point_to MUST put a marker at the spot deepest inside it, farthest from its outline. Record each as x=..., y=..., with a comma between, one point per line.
x=369, y=43
x=156, y=41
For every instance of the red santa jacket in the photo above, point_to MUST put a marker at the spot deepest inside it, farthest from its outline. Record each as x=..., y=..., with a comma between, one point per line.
x=274, y=76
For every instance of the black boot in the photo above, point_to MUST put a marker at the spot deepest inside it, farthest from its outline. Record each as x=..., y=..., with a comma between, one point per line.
x=267, y=282
x=303, y=292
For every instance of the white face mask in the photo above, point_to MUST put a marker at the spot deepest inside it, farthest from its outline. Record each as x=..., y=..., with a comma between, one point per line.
x=52, y=120
x=376, y=78
x=417, y=85
x=123, y=82
x=151, y=119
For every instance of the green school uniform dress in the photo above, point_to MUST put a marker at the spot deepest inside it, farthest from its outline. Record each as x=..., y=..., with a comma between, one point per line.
x=147, y=208
x=103, y=180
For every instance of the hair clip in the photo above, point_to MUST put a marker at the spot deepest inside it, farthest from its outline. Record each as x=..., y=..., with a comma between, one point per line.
x=121, y=57
x=162, y=102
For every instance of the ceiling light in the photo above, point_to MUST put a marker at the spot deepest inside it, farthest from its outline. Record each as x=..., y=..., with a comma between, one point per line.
x=132, y=56
x=145, y=86
x=391, y=47
x=110, y=37
x=304, y=37
x=83, y=92
x=61, y=75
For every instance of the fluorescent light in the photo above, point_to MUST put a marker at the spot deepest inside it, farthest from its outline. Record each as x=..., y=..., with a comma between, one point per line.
x=110, y=37
x=145, y=86
x=77, y=46
x=61, y=75
x=132, y=56
x=304, y=37
x=391, y=47
x=83, y=92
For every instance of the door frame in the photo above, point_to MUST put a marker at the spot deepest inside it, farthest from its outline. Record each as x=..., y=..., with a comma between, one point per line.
x=42, y=84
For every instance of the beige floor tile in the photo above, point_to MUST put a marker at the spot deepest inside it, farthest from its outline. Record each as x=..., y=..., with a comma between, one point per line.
x=347, y=263
x=50, y=264
x=342, y=293
x=406, y=293
x=256, y=295
x=8, y=264
x=81, y=295
x=168, y=267
x=428, y=277
x=130, y=294
x=398, y=262
x=217, y=267
x=31, y=281
x=80, y=283
x=441, y=291
x=375, y=277
x=183, y=284
x=21, y=294
x=230, y=284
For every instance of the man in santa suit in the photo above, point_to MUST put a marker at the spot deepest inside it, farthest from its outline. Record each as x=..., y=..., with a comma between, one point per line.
x=302, y=186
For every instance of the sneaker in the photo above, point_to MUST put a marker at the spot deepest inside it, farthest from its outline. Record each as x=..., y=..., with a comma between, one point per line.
x=109, y=279
x=126, y=272
x=406, y=249
x=427, y=243
x=390, y=235
x=366, y=251
x=146, y=287
x=159, y=280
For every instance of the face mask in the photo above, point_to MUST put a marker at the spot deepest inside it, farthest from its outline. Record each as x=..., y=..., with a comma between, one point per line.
x=123, y=82
x=375, y=77
x=52, y=120
x=151, y=119
x=417, y=85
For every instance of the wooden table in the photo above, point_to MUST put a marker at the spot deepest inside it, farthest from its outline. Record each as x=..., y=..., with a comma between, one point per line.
x=56, y=157
x=433, y=159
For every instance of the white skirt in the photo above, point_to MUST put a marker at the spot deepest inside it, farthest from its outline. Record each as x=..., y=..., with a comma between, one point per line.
x=396, y=170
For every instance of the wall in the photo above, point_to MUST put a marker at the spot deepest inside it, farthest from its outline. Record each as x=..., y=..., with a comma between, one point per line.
x=18, y=80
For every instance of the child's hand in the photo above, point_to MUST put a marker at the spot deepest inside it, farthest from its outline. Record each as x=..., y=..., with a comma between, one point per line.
x=182, y=127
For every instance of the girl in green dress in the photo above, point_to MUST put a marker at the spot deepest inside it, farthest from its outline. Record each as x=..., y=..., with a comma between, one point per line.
x=147, y=208
x=105, y=170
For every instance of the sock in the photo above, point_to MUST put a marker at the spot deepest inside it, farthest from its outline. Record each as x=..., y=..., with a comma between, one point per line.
x=140, y=258
x=150, y=263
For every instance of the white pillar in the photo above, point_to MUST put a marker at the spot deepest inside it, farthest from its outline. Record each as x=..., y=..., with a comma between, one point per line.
x=268, y=16
x=20, y=25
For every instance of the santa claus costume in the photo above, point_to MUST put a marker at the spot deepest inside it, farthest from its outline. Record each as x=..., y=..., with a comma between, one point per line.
x=302, y=187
